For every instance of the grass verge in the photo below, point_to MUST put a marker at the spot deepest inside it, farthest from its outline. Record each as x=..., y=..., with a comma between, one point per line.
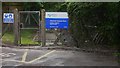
x=26, y=37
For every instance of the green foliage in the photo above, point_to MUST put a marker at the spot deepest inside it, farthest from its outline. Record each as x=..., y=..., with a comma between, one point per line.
x=26, y=37
x=8, y=38
x=54, y=6
x=48, y=6
x=84, y=17
x=33, y=6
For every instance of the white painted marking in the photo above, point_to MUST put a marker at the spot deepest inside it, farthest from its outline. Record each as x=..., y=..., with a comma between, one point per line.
x=24, y=56
x=7, y=54
x=11, y=53
x=41, y=57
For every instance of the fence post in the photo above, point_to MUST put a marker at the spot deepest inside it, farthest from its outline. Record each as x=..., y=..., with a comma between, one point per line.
x=0, y=23
x=43, y=31
x=16, y=31
x=39, y=31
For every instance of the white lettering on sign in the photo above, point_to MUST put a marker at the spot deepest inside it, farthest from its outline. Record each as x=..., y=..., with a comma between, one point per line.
x=57, y=21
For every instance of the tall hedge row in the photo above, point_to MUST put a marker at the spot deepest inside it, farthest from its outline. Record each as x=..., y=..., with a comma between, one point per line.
x=95, y=23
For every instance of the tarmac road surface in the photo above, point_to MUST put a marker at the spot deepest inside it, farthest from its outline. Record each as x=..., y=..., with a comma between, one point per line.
x=31, y=57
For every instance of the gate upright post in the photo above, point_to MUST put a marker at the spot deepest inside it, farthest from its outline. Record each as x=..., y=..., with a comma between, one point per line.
x=16, y=31
x=39, y=31
x=43, y=30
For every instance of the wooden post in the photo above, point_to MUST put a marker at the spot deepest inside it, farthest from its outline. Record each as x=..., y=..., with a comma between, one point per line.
x=0, y=23
x=39, y=30
x=43, y=30
x=19, y=29
x=16, y=31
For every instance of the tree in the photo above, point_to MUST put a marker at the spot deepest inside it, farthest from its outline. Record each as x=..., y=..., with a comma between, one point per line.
x=32, y=6
x=95, y=22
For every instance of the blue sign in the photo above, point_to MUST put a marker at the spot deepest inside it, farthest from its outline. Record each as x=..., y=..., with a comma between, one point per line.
x=57, y=20
x=8, y=18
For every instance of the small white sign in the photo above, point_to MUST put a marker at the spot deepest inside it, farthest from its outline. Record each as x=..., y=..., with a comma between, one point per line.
x=56, y=15
x=8, y=18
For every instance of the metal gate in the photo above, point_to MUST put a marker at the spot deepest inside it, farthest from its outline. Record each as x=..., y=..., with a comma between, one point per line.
x=29, y=28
